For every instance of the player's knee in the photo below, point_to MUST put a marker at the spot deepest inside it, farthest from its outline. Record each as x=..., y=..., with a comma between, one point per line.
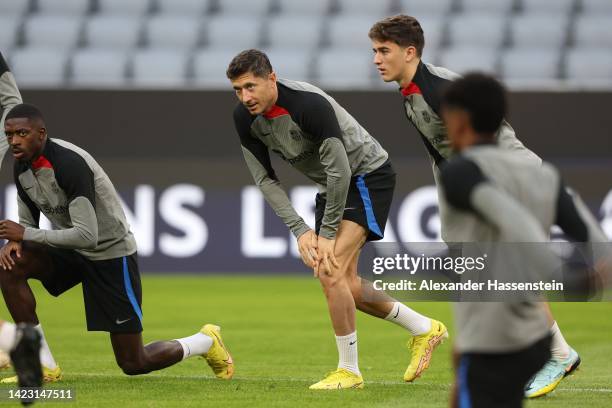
x=18, y=272
x=132, y=367
x=330, y=283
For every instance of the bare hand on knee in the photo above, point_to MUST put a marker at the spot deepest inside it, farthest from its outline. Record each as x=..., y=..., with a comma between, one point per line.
x=307, y=244
x=327, y=257
x=6, y=259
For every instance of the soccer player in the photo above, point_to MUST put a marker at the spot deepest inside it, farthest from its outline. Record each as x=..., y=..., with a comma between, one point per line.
x=314, y=134
x=499, y=197
x=91, y=243
x=398, y=44
x=22, y=342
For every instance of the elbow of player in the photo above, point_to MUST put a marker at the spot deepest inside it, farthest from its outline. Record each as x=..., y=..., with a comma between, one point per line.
x=89, y=241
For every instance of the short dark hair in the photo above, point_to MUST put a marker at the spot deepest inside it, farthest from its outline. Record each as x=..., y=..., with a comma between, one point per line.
x=482, y=97
x=403, y=30
x=253, y=61
x=25, y=110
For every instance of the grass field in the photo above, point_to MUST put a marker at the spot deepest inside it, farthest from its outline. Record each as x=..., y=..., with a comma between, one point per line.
x=279, y=333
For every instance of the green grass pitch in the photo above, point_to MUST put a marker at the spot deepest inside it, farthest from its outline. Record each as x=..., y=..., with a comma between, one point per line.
x=280, y=336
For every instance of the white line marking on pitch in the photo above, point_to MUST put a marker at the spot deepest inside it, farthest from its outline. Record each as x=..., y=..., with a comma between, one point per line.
x=280, y=380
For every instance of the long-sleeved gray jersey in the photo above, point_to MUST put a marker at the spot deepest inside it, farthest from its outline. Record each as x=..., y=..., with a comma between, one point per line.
x=495, y=196
x=9, y=97
x=70, y=188
x=422, y=106
x=308, y=129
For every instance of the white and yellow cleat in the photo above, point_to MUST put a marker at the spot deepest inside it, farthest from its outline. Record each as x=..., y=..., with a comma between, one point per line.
x=49, y=376
x=218, y=356
x=422, y=348
x=341, y=379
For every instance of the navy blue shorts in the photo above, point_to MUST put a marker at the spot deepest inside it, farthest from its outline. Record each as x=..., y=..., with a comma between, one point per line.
x=368, y=201
x=112, y=292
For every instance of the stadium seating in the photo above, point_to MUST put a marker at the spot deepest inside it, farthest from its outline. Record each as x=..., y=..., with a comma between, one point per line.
x=291, y=64
x=597, y=7
x=344, y=69
x=539, y=31
x=593, y=31
x=548, y=7
x=351, y=32
x=58, y=32
x=63, y=7
x=477, y=30
x=209, y=68
x=113, y=32
x=468, y=58
x=183, y=7
x=302, y=8
x=303, y=37
x=365, y=7
x=419, y=8
x=159, y=69
x=29, y=71
x=174, y=32
x=530, y=64
x=233, y=32
x=251, y=8
x=589, y=66
x=93, y=68
x=10, y=8
x=499, y=7
x=8, y=32
x=295, y=32
x=124, y=8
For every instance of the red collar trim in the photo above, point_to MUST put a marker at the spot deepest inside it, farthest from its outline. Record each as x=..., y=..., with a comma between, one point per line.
x=275, y=111
x=41, y=162
x=411, y=89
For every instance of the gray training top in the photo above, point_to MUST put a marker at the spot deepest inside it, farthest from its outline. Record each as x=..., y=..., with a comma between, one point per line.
x=422, y=107
x=498, y=197
x=9, y=97
x=70, y=188
x=308, y=129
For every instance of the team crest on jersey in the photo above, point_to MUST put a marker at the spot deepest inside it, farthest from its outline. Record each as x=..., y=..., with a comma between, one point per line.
x=295, y=134
x=426, y=116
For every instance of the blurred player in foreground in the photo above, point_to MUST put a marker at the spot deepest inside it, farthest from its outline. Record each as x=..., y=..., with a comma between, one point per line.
x=398, y=44
x=499, y=197
x=91, y=244
x=314, y=134
x=22, y=342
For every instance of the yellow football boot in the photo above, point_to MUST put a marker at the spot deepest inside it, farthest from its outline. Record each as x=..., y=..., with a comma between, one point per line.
x=218, y=356
x=339, y=380
x=422, y=347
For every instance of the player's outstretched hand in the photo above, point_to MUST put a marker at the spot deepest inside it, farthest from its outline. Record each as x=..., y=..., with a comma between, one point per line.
x=6, y=259
x=327, y=258
x=307, y=244
x=11, y=230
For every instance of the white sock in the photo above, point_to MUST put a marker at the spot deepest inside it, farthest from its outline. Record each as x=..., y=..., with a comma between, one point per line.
x=195, y=345
x=46, y=358
x=410, y=320
x=559, y=348
x=7, y=336
x=347, y=352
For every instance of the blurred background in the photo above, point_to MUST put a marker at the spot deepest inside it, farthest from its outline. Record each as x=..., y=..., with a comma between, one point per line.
x=141, y=85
